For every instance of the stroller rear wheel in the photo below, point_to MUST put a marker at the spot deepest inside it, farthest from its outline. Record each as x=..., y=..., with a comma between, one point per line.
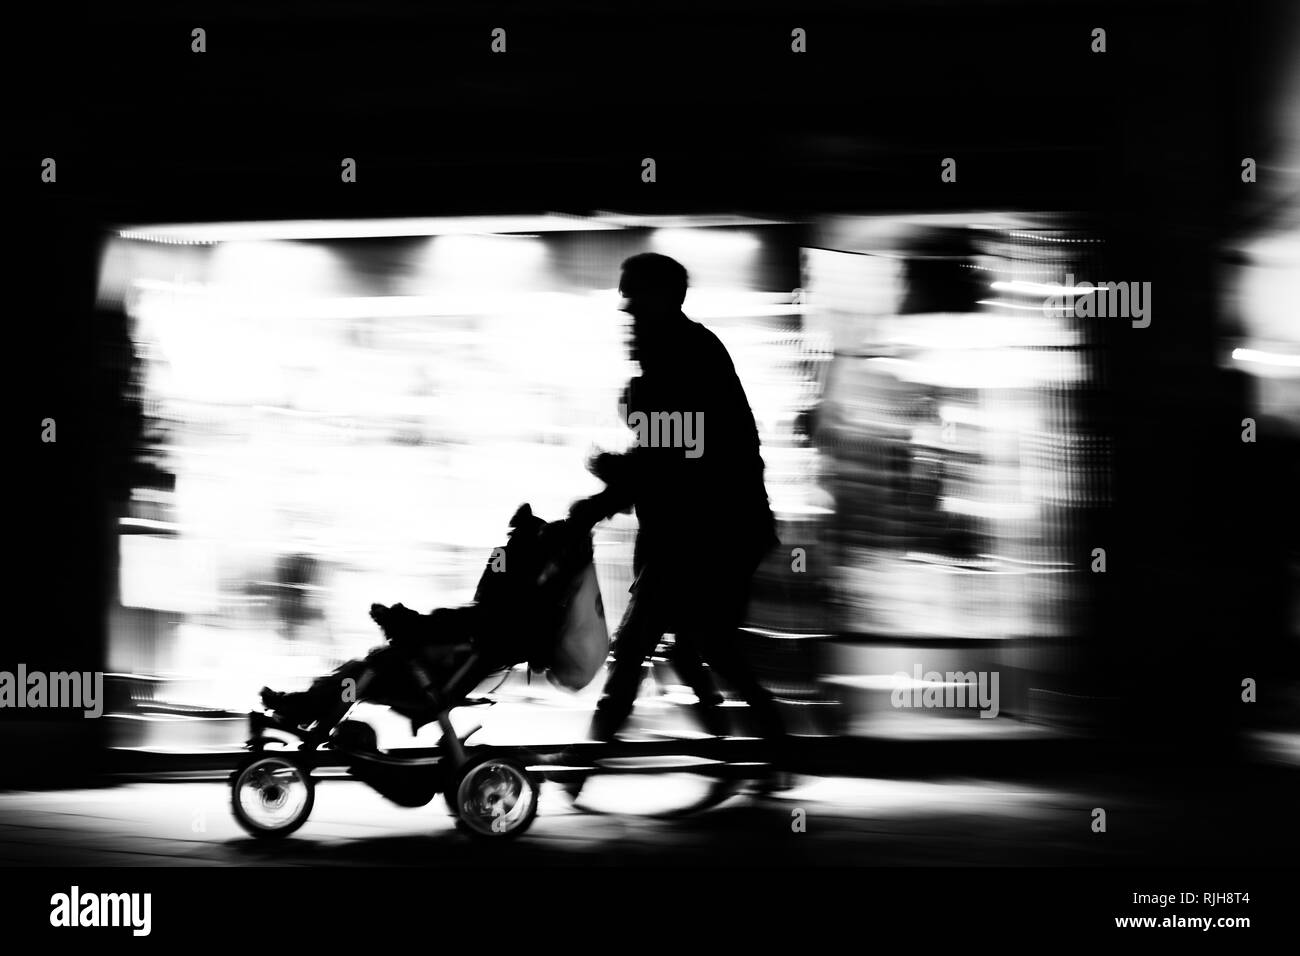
x=272, y=796
x=495, y=797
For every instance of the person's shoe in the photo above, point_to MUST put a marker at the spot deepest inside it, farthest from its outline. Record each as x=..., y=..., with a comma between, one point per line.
x=773, y=783
x=777, y=777
x=713, y=719
x=573, y=789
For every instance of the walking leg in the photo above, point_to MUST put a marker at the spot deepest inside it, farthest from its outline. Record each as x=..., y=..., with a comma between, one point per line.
x=689, y=666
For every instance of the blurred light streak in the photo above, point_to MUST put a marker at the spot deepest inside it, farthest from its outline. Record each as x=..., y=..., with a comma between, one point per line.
x=348, y=423
x=1260, y=357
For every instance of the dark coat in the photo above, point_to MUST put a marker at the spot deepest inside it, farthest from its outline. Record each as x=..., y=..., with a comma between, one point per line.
x=701, y=511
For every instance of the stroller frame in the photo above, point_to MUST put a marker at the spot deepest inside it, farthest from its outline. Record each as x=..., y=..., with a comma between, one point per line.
x=492, y=791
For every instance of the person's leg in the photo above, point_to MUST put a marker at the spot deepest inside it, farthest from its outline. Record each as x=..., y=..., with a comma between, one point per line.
x=721, y=646
x=636, y=638
x=723, y=649
x=689, y=666
x=325, y=695
x=715, y=630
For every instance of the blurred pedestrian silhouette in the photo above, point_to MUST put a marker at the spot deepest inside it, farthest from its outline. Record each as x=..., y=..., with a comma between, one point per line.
x=705, y=522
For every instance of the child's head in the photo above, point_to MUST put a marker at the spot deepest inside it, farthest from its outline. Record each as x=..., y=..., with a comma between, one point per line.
x=532, y=546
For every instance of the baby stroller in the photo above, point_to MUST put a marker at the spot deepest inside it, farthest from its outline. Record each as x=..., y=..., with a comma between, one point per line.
x=537, y=602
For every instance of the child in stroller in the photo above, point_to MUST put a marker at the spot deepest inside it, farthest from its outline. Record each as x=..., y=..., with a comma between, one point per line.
x=522, y=611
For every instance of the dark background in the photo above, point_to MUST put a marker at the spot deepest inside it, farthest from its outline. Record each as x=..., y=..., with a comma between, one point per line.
x=1145, y=139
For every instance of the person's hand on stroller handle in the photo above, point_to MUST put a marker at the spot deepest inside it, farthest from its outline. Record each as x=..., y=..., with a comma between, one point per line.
x=605, y=465
x=585, y=513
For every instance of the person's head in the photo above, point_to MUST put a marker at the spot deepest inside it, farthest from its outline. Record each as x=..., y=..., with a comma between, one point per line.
x=653, y=288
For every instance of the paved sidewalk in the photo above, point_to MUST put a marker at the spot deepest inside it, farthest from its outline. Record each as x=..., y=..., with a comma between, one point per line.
x=824, y=821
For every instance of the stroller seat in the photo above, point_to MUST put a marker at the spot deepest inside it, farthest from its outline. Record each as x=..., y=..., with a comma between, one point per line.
x=537, y=603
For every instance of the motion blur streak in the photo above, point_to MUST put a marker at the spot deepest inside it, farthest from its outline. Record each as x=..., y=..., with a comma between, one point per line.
x=341, y=413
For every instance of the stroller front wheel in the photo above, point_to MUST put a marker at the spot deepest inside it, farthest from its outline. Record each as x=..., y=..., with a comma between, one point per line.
x=495, y=797
x=272, y=796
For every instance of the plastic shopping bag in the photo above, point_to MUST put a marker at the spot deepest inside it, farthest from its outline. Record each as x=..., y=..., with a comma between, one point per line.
x=583, y=642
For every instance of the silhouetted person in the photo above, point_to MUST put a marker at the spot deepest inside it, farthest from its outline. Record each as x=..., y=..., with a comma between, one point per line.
x=705, y=521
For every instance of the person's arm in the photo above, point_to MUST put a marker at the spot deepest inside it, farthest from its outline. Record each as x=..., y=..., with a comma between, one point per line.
x=619, y=471
x=604, y=504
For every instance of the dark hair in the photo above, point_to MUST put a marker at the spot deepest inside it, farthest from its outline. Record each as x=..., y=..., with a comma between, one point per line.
x=652, y=276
